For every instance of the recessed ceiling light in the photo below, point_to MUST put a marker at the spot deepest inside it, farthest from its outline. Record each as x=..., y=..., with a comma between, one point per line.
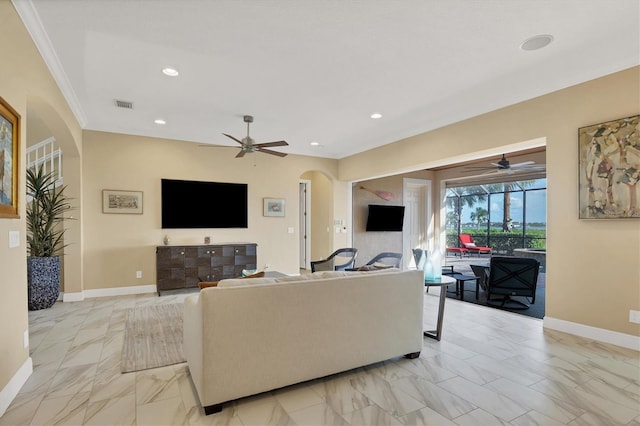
x=314, y=143
x=159, y=121
x=376, y=115
x=171, y=72
x=536, y=42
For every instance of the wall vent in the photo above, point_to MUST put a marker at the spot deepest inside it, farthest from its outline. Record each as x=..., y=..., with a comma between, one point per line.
x=124, y=104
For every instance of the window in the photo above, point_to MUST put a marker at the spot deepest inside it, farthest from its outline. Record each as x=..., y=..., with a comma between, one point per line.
x=502, y=215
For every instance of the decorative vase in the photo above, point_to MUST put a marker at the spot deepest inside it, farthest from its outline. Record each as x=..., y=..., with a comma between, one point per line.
x=437, y=264
x=43, y=278
x=429, y=271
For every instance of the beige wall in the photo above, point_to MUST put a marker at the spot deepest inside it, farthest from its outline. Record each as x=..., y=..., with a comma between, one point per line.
x=593, y=276
x=116, y=246
x=26, y=84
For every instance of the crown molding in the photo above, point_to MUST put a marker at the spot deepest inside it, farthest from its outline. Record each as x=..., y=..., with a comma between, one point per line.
x=27, y=12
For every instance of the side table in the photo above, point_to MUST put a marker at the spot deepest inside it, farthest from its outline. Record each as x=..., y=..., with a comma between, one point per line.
x=442, y=282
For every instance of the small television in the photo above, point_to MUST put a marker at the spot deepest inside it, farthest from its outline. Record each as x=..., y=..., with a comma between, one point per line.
x=385, y=218
x=197, y=204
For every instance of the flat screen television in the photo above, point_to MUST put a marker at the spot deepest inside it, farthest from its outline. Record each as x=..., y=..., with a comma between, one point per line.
x=197, y=204
x=385, y=218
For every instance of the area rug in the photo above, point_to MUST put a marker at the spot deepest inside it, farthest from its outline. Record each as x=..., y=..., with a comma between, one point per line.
x=536, y=310
x=152, y=337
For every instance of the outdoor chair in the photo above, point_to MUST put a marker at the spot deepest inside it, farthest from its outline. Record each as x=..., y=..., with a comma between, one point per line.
x=467, y=242
x=339, y=260
x=512, y=276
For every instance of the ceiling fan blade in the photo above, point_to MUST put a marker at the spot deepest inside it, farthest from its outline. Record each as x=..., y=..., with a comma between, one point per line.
x=235, y=139
x=268, y=151
x=479, y=168
x=525, y=163
x=241, y=154
x=210, y=145
x=268, y=144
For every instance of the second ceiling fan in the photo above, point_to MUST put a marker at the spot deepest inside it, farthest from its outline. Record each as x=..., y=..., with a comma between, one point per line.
x=249, y=145
x=504, y=166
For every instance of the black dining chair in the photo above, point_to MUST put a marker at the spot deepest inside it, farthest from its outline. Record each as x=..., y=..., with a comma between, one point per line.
x=386, y=260
x=339, y=260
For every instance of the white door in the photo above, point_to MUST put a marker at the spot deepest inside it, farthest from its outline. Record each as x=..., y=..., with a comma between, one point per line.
x=416, y=214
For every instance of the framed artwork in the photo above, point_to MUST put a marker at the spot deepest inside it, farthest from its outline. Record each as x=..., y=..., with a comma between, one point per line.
x=121, y=202
x=273, y=207
x=609, y=167
x=9, y=161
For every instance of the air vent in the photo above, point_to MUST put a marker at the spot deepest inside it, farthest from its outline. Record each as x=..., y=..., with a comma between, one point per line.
x=124, y=104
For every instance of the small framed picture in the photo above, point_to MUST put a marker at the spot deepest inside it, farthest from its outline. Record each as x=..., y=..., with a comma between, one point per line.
x=273, y=207
x=121, y=202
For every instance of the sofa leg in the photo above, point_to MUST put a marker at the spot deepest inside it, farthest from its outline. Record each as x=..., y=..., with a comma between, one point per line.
x=211, y=409
x=412, y=355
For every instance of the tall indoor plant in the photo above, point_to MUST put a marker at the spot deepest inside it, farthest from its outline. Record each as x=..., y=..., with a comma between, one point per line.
x=45, y=234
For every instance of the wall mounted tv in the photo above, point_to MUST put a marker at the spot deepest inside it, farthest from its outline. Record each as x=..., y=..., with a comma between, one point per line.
x=385, y=218
x=196, y=204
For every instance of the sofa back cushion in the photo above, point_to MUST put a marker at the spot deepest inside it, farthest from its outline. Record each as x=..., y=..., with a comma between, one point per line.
x=235, y=282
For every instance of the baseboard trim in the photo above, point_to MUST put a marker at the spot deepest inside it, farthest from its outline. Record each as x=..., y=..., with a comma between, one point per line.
x=594, y=333
x=12, y=388
x=73, y=297
x=120, y=291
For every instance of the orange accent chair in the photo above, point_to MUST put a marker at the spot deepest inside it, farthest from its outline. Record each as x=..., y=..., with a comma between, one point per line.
x=467, y=242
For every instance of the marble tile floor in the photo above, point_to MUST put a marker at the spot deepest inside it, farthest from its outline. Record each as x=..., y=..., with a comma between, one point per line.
x=491, y=368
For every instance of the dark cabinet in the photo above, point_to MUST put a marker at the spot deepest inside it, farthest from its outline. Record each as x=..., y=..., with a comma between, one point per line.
x=180, y=267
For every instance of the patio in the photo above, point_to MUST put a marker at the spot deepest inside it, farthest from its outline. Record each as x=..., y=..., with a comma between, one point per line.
x=461, y=265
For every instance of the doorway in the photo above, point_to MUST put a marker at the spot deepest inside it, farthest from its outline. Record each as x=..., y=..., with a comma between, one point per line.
x=416, y=232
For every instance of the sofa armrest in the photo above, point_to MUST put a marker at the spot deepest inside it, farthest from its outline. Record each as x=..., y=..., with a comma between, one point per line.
x=192, y=344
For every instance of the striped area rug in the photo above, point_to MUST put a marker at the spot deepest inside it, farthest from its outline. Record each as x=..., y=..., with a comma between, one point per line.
x=152, y=337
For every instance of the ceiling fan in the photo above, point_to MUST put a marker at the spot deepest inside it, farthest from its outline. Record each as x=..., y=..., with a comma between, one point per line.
x=504, y=166
x=249, y=145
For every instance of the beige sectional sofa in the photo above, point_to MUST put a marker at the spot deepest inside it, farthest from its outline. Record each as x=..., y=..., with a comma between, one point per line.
x=248, y=336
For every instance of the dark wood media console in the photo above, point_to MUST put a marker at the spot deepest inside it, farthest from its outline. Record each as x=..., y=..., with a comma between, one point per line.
x=179, y=267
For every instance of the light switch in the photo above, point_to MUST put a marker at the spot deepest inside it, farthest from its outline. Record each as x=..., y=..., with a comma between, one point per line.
x=290, y=230
x=14, y=239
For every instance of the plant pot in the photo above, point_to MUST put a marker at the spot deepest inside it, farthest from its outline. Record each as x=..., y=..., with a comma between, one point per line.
x=43, y=277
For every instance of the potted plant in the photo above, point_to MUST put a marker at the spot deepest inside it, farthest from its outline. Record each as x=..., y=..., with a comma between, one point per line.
x=44, y=237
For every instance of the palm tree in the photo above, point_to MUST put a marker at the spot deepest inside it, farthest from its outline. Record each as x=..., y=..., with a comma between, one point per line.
x=466, y=195
x=479, y=216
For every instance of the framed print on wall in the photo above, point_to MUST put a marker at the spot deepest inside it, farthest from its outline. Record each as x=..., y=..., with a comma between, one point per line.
x=273, y=207
x=121, y=202
x=9, y=161
x=609, y=167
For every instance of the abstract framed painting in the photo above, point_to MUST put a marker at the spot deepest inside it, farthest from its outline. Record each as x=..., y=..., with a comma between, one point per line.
x=9, y=160
x=609, y=169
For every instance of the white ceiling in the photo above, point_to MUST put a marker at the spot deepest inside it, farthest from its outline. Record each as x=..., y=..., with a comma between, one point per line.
x=315, y=70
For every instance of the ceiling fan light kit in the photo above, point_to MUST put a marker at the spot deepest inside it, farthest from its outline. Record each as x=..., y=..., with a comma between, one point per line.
x=249, y=145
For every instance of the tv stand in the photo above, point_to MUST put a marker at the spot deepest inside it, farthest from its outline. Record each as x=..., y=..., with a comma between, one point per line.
x=179, y=267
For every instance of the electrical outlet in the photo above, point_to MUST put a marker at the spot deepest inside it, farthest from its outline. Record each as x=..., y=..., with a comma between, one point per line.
x=138, y=274
x=266, y=266
x=25, y=339
x=634, y=316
